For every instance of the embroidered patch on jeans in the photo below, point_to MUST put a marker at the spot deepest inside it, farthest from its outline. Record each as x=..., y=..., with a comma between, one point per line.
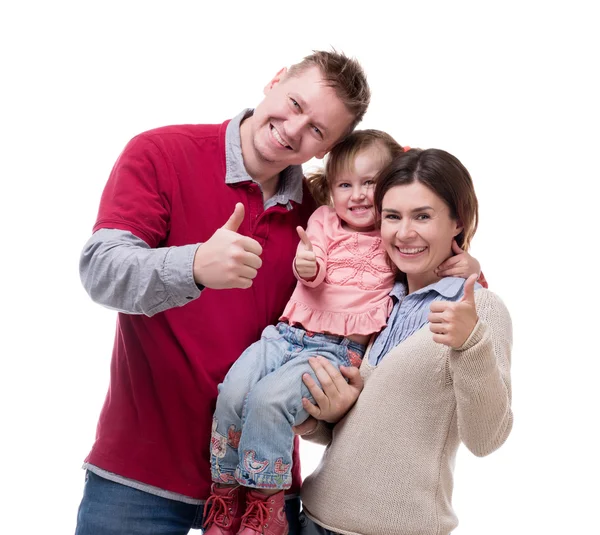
x=252, y=464
x=282, y=468
x=228, y=479
x=233, y=437
x=218, y=443
x=354, y=358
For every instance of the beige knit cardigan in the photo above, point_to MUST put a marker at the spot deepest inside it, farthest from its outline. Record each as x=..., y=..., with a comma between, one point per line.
x=388, y=465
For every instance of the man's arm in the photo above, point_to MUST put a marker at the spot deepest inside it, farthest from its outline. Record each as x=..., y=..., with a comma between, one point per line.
x=122, y=272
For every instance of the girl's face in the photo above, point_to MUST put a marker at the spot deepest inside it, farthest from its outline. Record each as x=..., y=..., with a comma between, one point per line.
x=417, y=232
x=352, y=191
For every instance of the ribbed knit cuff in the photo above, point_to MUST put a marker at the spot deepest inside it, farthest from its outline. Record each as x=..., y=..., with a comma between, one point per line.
x=321, y=434
x=475, y=337
x=475, y=359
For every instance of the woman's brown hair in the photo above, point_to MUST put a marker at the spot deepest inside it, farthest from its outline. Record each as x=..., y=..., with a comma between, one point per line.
x=443, y=174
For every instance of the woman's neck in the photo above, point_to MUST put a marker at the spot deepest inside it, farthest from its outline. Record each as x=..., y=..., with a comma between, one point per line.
x=420, y=280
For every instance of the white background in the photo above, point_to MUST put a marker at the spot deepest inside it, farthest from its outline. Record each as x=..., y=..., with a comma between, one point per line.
x=509, y=88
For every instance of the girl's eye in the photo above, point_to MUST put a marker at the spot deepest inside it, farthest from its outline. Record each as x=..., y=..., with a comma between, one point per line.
x=392, y=216
x=294, y=103
x=369, y=182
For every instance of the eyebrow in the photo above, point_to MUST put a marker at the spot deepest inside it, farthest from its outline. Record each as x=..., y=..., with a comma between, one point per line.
x=303, y=105
x=419, y=209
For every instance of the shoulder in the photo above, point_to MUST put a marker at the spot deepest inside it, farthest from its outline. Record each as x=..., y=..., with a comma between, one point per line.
x=179, y=143
x=323, y=214
x=181, y=133
x=491, y=308
x=488, y=299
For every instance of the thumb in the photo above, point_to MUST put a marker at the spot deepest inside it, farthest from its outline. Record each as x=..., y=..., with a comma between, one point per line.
x=304, y=238
x=456, y=248
x=353, y=375
x=234, y=222
x=469, y=290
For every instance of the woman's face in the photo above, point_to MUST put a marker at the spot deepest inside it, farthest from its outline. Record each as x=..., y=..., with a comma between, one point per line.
x=417, y=231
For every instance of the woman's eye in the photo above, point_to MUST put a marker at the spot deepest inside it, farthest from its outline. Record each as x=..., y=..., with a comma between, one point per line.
x=422, y=217
x=391, y=216
x=317, y=131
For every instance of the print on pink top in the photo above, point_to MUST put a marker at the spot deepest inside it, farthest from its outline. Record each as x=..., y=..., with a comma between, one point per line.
x=350, y=294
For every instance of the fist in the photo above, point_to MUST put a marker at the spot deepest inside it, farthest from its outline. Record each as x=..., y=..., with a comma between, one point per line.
x=452, y=323
x=228, y=259
x=306, y=260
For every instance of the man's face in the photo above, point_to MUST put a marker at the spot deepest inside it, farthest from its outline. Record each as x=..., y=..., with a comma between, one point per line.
x=299, y=118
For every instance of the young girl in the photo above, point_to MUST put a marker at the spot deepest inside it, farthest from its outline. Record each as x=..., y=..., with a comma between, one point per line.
x=341, y=299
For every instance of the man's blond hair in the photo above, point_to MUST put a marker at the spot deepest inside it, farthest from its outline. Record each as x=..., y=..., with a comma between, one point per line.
x=345, y=75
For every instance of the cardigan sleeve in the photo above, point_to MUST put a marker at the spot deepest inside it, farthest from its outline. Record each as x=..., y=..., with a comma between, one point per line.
x=480, y=371
x=321, y=434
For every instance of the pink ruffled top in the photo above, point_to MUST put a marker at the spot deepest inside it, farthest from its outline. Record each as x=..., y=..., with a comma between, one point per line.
x=350, y=294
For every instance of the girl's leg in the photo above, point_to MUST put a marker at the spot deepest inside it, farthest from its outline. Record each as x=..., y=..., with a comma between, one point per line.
x=256, y=362
x=274, y=405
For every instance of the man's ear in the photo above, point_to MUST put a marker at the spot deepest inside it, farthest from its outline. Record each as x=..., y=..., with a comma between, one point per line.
x=276, y=79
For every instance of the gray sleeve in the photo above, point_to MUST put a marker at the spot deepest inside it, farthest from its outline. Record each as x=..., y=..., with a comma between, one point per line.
x=122, y=272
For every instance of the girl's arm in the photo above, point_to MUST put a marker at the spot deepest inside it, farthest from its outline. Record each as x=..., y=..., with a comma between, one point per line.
x=462, y=264
x=310, y=263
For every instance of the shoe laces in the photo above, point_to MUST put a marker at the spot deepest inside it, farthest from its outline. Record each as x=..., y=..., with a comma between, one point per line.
x=219, y=511
x=257, y=513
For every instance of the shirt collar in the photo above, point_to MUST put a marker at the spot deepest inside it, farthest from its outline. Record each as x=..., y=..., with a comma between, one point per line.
x=290, y=179
x=447, y=287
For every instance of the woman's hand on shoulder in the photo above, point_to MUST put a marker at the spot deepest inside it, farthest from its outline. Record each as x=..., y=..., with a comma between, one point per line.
x=453, y=322
x=335, y=397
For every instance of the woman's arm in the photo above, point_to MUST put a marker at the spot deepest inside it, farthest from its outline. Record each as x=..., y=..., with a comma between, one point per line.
x=337, y=394
x=480, y=370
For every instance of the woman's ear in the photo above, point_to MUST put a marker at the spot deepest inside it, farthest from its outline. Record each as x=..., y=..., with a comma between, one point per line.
x=459, y=228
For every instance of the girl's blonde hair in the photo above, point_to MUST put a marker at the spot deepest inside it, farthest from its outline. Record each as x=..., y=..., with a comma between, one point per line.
x=341, y=159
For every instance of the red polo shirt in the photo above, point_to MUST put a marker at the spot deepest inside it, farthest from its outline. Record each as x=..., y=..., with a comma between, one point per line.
x=168, y=188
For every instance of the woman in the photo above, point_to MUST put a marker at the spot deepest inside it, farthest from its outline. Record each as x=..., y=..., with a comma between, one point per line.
x=437, y=375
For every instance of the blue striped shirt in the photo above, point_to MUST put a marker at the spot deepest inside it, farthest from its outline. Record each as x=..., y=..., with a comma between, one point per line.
x=410, y=313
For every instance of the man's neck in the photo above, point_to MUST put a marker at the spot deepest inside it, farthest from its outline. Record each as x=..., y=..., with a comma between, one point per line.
x=261, y=172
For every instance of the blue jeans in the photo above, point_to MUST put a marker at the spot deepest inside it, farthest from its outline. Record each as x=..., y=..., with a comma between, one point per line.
x=109, y=508
x=261, y=399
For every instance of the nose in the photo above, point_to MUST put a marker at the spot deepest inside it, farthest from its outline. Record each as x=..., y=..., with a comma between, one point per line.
x=405, y=230
x=295, y=125
x=358, y=193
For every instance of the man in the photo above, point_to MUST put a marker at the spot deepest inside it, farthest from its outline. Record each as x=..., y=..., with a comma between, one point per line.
x=193, y=245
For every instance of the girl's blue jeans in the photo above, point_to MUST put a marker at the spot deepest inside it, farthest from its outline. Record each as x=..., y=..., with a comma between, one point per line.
x=261, y=399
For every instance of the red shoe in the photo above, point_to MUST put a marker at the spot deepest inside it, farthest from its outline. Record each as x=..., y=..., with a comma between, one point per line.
x=225, y=511
x=265, y=515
